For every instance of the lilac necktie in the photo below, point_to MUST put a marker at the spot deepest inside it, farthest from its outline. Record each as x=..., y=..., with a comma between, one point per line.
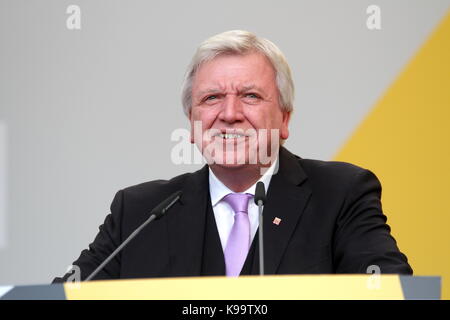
x=239, y=240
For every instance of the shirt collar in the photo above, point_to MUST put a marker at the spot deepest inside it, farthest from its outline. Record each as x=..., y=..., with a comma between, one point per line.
x=218, y=190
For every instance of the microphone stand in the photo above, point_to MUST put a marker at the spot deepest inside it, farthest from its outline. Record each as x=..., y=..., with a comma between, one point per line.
x=260, y=199
x=156, y=213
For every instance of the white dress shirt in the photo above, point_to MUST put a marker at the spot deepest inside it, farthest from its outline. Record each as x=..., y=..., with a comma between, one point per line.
x=223, y=212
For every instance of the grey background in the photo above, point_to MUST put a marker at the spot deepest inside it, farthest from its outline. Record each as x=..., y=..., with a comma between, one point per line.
x=89, y=112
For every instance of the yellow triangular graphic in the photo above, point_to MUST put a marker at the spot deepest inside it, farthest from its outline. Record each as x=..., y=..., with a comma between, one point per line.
x=405, y=141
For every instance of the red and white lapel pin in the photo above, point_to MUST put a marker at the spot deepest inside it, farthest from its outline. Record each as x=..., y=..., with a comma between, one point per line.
x=276, y=221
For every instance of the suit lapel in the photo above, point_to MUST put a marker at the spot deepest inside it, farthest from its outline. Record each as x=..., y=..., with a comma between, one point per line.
x=186, y=226
x=287, y=197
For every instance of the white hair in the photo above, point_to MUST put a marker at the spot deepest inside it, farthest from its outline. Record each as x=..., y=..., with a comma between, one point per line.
x=241, y=42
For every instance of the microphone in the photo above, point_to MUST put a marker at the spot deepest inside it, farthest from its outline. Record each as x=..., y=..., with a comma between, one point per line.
x=157, y=212
x=260, y=200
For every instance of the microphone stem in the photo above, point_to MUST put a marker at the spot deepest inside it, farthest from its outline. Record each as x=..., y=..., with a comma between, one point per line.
x=261, y=245
x=123, y=244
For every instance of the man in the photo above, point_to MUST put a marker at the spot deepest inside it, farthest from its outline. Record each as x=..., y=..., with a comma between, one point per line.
x=320, y=217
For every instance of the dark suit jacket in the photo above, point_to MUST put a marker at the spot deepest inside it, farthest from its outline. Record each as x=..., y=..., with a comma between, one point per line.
x=331, y=222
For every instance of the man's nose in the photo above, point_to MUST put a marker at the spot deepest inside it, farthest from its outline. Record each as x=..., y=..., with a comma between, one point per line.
x=231, y=109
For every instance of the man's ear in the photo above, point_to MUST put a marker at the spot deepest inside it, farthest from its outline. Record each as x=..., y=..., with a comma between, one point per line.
x=284, y=130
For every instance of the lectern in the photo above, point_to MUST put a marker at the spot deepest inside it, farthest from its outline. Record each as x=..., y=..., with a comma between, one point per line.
x=284, y=287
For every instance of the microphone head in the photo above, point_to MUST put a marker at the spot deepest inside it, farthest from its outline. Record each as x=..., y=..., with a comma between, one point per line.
x=260, y=193
x=162, y=208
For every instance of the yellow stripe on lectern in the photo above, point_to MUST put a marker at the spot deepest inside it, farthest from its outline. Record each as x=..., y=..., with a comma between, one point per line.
x=243, y=288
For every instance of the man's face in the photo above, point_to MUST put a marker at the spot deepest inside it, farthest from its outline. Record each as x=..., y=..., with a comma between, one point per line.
x=237, y=94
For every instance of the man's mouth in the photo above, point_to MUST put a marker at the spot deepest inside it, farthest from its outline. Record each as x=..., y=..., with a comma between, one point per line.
x=231, y=135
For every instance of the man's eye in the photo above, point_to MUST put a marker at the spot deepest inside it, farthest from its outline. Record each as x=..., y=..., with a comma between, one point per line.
x=211, y=97
x=252, y=95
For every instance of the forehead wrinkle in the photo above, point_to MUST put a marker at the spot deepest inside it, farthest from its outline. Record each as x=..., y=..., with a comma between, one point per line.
x=251, y=87
x=237, y=88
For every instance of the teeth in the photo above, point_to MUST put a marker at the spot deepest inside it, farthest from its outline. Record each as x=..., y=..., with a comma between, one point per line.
x=231, y=135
